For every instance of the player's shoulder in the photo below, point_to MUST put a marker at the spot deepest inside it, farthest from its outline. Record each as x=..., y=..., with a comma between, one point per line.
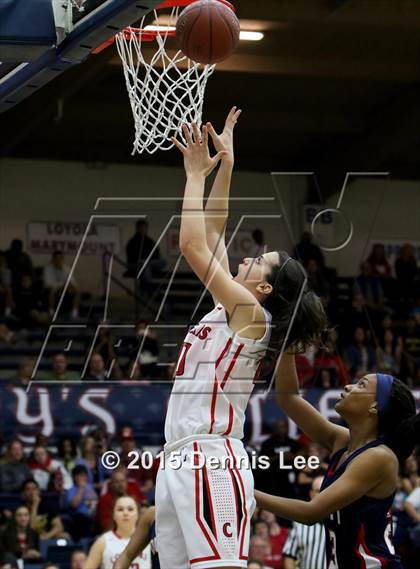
x=380, y=458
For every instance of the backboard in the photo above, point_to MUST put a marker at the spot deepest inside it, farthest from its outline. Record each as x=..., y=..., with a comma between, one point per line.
x=41, y=39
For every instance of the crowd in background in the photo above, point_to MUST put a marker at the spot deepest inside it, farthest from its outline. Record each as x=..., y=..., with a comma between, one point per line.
x=375, y=325
x=61, y=491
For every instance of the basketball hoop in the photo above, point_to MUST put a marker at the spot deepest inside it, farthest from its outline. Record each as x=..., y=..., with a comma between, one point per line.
x=165, y=90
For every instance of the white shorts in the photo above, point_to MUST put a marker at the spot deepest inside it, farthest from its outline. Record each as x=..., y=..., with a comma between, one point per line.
x=203, y=514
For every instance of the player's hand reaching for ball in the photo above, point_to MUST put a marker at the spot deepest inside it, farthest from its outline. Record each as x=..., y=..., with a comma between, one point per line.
x=197, y=159
x=224, y=141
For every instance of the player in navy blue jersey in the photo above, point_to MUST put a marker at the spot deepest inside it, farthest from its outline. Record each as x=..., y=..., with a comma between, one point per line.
x=360, y=484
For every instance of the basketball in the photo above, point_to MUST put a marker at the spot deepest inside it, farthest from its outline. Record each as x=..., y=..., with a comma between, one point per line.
x=208, y=31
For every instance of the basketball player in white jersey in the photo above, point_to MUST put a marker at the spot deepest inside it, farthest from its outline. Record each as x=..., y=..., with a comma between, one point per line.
x=107, y=548
x=203, y=514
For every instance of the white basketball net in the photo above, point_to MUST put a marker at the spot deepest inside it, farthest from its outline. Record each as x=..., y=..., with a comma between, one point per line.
x=165, y=91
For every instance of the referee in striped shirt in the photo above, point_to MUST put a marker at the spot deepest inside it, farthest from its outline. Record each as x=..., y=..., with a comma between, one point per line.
x=305, y=545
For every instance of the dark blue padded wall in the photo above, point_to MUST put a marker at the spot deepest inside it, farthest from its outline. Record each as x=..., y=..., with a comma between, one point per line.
x=26, y=28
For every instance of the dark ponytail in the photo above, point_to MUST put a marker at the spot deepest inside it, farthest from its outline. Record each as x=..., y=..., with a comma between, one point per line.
x=402, y=431
x=310, y=321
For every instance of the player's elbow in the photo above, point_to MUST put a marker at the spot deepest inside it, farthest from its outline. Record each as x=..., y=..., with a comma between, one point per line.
x=312, y=515
x=190, y=247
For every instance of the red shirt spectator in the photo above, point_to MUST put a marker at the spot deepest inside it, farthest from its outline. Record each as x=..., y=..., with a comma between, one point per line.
x=119, y=485
x=275, y=559
x=332, y=362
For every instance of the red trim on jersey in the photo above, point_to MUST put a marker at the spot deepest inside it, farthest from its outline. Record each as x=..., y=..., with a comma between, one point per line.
x=114, y=531
x=236, y=497
x=223, y=352
x=258, y=371
x=197, y=513
x=216, y=386
x=230, y=423
x=199, y=559
x=206, y=480
x=362, y=542
x=213, y=404
x=231, y=365
x=245, y=513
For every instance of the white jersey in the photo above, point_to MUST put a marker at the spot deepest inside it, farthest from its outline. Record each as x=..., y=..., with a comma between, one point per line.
x=214, y=379
x=115, y=545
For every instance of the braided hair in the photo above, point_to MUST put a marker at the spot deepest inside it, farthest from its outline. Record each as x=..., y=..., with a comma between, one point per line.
x=402, y=425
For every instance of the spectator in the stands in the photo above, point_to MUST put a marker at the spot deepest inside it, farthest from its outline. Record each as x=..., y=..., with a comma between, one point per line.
x=306, y=250
x=6, y=300
x=129, y=445
x=361, y=355
x=45, y=519
x=82, y=500
x=7, y=560
x=306, y=475
x=59, y=371
x=328, y=359
x=410, y=473
x=412, y=505
x=317, y=281
x=49, y=473
x=406, y=272
x=259, y=549
x=105, y=346
x=378, y=262
x=277, y=533
x=18, y=261
x=138, y=249
x=412, y=349
x=29, y=303
x=7, y=336
x=369, y=285
x=56, y=275
x=97, y=371
x=275, y=559
x=67, y=453
x=19, y=538
x=356, y=315
x=14, y=469
x=118, y=485
x=389, y=352
x=275, y=480
x=147, y=343
x=78, y=559
x=24, y=372
x=90, y=458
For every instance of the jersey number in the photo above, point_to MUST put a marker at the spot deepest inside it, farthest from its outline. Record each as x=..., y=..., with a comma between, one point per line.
x=180, y=367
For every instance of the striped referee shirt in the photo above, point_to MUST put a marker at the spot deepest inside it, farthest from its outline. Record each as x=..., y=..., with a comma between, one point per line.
x=306, y=544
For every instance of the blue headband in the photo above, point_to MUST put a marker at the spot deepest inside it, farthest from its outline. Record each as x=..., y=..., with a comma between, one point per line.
x=383, y=393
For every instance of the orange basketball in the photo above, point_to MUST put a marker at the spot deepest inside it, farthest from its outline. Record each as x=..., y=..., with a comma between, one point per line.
x=208, y=31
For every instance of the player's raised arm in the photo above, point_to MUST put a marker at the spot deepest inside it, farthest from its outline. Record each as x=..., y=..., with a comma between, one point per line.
x=245, y=312
x=366, y=475
x=217, y=205
x=317, y=427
